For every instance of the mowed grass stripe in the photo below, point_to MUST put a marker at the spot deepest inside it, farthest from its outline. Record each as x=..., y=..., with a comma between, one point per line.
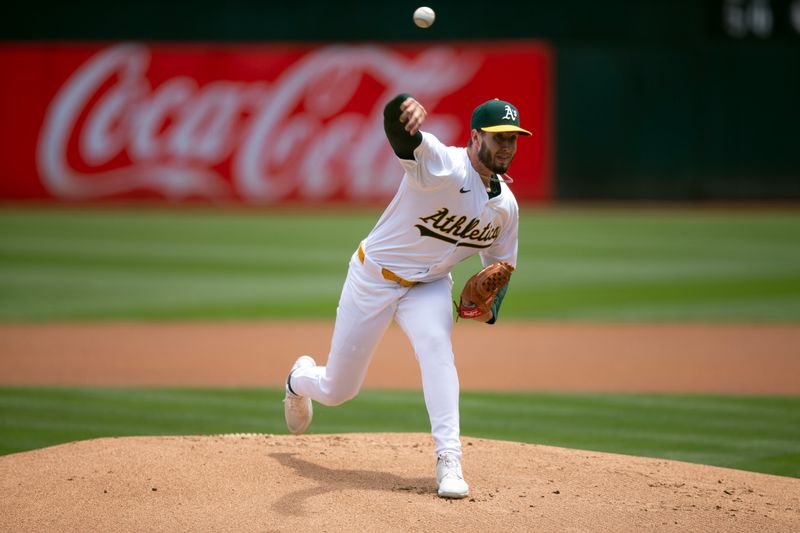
x=81, y=251
x=100, y=295
x=268, y=226
x=772, y=310
x=751, y=433
x=723, y=422
x=32, y=418
x=775, y=298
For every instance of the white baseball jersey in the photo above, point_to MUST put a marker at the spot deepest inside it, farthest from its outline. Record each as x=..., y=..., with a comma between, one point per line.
x=441, y=215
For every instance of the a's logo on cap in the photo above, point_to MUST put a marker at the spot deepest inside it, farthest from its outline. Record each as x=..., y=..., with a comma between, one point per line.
x=496, y=116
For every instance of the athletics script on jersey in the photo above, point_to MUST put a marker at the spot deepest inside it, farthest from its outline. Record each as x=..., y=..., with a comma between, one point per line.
x=458, y=230
x=255, y=124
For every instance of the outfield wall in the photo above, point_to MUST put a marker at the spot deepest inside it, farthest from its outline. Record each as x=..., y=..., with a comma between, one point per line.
x=666, y=99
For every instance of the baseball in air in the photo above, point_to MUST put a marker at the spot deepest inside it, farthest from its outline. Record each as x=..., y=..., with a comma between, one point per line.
x=424, y=17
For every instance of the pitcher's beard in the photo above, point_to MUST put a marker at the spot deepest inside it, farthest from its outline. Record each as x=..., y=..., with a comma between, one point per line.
x=485, y=159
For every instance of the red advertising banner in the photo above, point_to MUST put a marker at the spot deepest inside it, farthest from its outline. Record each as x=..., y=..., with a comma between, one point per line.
x=255, y=124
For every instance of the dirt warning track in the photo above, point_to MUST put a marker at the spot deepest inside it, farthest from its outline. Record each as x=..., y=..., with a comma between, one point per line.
x=686, y=358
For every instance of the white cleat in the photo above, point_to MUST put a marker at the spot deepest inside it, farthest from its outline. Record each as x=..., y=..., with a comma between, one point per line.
x=449, y=477
x=297, y=409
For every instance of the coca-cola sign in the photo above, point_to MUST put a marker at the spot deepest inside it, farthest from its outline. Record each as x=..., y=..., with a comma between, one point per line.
x=254, y=124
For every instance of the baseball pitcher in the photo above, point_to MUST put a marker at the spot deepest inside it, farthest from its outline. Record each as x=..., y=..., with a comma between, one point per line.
x=452, y=203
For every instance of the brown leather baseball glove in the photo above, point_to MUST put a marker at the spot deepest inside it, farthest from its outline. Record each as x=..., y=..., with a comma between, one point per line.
x=481, y=289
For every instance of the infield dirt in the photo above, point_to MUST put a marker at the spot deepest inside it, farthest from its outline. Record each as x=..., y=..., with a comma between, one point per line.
x=686, y=358
x=384, y=482
x=374, y=482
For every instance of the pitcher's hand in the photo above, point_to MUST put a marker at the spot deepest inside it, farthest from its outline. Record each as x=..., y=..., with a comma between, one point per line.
x=413, y=115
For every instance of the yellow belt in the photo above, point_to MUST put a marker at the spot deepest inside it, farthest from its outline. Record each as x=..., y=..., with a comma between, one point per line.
x=387, y=274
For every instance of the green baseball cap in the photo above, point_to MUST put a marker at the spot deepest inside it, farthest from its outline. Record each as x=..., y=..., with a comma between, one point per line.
x=497, y=115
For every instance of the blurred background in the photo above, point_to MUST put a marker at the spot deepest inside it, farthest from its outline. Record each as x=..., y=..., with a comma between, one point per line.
x=660, y=100
x=208, y=160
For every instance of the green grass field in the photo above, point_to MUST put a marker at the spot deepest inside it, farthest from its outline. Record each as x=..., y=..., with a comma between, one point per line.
x=589, y=265
x=759, y=434
x=601, y=264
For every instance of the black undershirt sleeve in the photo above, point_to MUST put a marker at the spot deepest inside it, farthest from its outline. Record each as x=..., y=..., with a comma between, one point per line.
x=402, y=143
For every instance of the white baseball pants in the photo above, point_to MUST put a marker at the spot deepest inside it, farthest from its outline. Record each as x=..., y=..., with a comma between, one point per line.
x=367, y=305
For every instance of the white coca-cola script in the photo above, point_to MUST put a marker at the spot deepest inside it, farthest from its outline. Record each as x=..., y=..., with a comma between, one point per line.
x=109, y=131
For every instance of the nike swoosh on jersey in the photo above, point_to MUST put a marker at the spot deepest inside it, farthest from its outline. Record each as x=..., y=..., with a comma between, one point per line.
x=461, y=190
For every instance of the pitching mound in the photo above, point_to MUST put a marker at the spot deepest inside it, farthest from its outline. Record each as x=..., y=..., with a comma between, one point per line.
x=371, y=482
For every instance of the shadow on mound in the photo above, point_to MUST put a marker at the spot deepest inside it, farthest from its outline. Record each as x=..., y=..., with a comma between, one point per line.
x=331, y=480
x=374, y=482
